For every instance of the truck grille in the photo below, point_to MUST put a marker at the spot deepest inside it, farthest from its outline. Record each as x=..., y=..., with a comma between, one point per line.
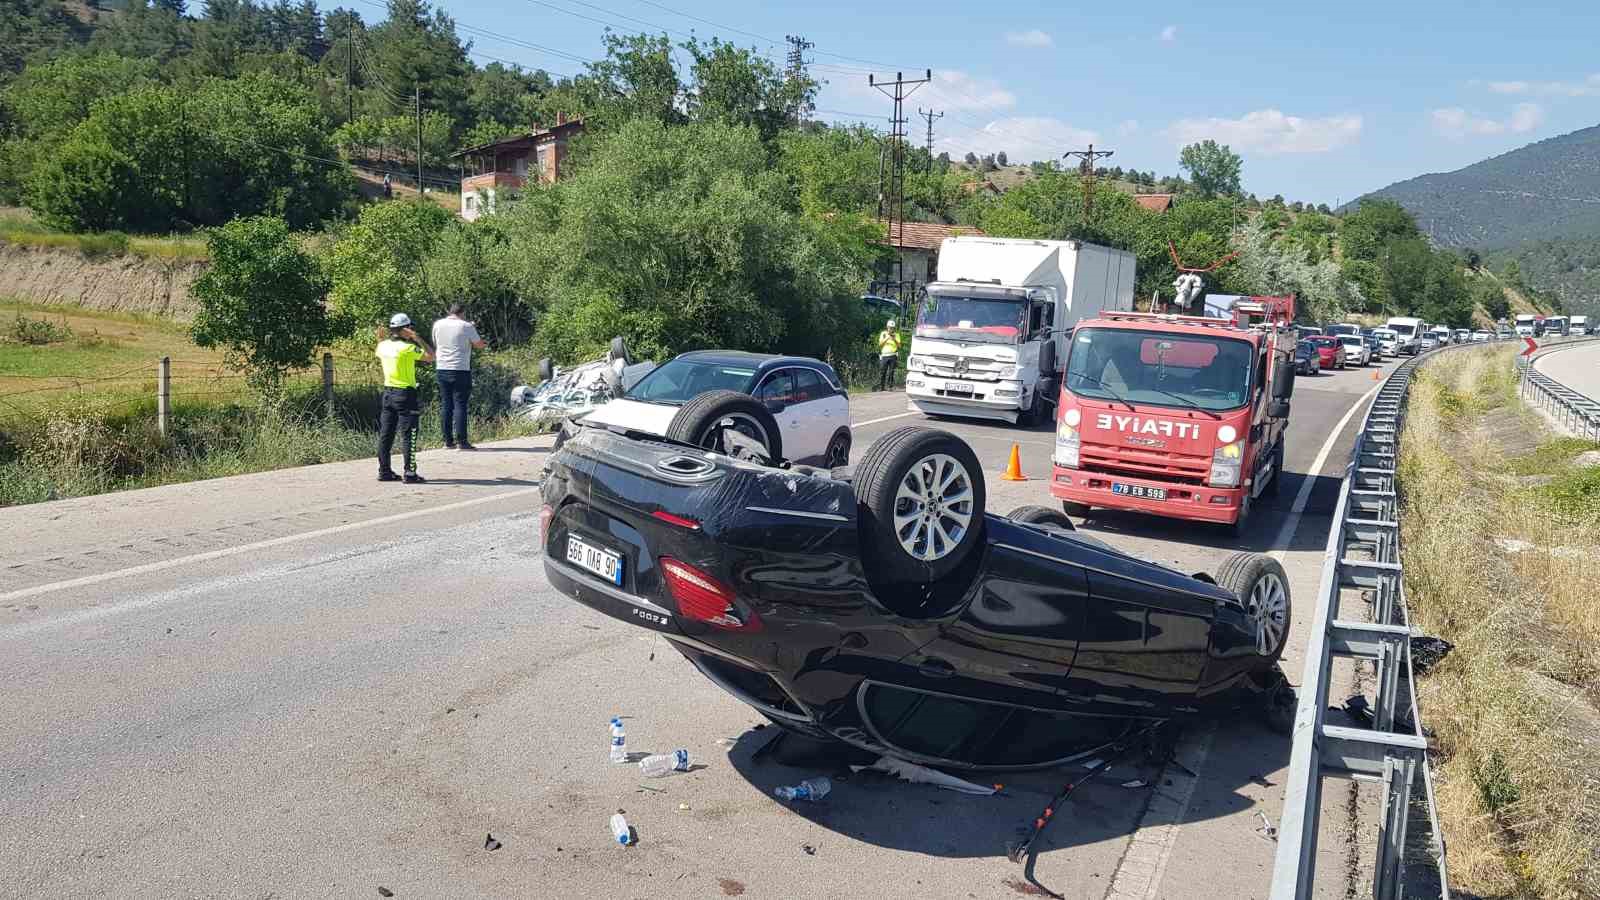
x=962, y=367
x=1134, y=463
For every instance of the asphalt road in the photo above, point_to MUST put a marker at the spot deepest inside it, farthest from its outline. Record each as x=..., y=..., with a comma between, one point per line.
x=1576, y=367
x=307, y=684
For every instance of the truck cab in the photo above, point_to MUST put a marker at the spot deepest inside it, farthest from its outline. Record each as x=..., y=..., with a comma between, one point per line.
x=991, y=335
x=1578, y=326
x=1178, y=416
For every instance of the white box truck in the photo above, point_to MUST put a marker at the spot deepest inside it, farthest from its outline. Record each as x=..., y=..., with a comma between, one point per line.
x=991, y=336
x=1578, y=326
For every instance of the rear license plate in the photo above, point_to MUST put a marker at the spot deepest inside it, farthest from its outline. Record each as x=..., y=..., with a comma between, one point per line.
x=1139, y=490
x=604, y=563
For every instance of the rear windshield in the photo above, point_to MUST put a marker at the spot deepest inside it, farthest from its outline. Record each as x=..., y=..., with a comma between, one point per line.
x=681, y=380
x=1403, y=330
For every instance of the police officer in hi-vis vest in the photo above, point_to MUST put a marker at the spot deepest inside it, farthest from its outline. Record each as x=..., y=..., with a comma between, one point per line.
x=888, y=354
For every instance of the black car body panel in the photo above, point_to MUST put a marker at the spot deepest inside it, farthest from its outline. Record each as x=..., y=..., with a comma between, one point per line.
x=1041, y=646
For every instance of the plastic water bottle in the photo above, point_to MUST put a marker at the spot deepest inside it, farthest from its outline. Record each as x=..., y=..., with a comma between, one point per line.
x=620, y=830
x=619, y=742
x=664, y=763
x=812, y=789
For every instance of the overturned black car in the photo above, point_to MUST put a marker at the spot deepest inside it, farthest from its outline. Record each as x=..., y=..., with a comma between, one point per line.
x=883, y=607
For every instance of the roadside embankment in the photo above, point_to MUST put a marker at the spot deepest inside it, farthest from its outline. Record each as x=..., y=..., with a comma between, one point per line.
x=1500, y=522
x=129, y=282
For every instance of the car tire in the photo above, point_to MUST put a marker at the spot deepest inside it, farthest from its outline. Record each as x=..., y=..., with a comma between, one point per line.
x=912, y=484
x=1262, y=586
x=699, y=421
x=619, y=350
x=1041, y=515
x=837, y=455
x=547, y=370
x=1075, y=509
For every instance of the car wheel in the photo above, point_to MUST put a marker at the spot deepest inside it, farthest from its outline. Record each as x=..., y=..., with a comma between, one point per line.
x=921, y=496
x=1041, y=515
x=838, y=455
x=1262, y=586
x=547, y=369
x=1075, y=509
x=702, y=421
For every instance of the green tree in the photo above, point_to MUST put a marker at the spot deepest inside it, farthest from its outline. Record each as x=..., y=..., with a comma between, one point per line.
x=741, y=87
x=685, y=237
x=377, y=266
x=48, y=99
x=1214, y=169
x=34, y=26
x=261, y=302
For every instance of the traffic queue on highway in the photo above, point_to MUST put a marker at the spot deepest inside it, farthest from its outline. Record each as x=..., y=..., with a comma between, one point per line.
x=717, y=500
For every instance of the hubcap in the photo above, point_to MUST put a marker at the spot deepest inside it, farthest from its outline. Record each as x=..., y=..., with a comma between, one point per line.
x=739, y=422
x=933, y=507
x=1269, y=607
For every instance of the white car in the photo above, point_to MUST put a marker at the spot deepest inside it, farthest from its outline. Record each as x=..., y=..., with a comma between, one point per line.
x=1388, y=341
x=802, y=397
x=1479, y=337
x=1356, y=351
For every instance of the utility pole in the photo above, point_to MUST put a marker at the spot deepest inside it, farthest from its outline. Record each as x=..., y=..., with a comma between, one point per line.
x=898, y=90
x=1086, y=175
x=796, y=69
x=418, y=100
x=349, y=74
x=930, y=115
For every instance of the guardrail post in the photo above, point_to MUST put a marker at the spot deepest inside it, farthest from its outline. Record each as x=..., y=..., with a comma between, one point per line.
x=1397, y=775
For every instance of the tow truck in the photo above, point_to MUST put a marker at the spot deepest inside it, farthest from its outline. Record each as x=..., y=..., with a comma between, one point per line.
x=1176, y=415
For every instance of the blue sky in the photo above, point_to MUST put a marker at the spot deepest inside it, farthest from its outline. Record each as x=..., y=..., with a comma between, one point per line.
x=1324, y=101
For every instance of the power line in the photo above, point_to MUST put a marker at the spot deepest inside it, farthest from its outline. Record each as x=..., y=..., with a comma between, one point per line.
x=897, y=170
x=930, y=115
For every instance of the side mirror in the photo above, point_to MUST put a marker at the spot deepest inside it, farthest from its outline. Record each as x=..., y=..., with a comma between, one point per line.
x=775, y=406
x=1283, y=382
x=1278, y=409
x=1047, y=358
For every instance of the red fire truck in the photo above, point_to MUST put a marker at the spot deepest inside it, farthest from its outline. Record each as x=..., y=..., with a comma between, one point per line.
x=1180, y=416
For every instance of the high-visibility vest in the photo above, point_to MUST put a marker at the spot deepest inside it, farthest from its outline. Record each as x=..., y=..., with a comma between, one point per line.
x=888, y=343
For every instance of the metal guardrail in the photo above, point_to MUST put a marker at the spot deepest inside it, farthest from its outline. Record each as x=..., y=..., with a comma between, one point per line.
x=1363, y=554
x=1577, y=412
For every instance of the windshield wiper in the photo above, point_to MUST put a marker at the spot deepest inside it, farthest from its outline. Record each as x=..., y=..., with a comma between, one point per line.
x=1114, y=395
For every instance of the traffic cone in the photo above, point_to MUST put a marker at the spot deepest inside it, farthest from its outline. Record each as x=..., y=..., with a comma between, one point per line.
x=1014, y=467
x=1376, y=375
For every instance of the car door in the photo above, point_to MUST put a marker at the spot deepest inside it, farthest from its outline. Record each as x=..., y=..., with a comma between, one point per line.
x=778, y=391
x=819, y=409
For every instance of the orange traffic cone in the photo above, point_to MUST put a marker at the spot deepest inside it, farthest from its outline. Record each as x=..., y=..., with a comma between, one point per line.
x=1014, y=467
x=1376, y=375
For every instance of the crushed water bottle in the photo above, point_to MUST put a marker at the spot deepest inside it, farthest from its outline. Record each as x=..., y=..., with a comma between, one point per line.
x=812, y=789
x=664, y=763
x=619, y=742
x=620, y=830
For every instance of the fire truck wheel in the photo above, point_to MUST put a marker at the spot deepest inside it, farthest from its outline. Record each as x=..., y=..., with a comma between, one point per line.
x=1075, y=509
x=1237, y=527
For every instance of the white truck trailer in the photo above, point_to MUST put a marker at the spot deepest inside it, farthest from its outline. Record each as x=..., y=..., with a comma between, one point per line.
x=991, y=336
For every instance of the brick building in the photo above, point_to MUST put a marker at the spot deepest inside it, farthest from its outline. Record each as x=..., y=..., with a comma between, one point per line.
x=510, y=163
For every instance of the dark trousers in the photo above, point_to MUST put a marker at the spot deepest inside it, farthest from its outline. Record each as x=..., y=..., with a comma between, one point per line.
x=454, y=389
x=886, y=371
x=399, y=413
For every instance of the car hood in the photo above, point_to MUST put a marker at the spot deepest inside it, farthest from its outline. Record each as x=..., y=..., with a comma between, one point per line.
x=649, y=418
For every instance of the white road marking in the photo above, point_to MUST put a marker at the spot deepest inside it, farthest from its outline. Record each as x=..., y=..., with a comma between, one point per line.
x=882, y=419
x=1290, y=524
x=1139, y=872
x=209, y=555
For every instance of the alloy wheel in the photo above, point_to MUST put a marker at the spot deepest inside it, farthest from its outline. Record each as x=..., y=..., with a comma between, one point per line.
x=933, y=507
x=1268, y=607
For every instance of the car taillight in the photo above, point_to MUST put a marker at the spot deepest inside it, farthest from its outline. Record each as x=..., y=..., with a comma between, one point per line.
x=703, y=598
x=546, y=516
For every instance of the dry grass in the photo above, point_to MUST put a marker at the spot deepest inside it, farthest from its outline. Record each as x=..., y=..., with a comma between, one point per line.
x=1514, y=706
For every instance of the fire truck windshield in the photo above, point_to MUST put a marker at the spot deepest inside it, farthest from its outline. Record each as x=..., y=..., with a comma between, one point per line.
x=1209, y=373
x=985, y=321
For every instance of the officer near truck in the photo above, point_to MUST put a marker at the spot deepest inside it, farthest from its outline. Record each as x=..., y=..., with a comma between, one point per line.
x=888, y=354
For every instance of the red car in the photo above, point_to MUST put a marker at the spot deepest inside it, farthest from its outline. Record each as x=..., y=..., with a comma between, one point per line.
x=1330, y=352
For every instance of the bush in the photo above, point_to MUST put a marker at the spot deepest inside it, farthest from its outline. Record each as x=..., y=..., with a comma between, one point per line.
x=37, y=332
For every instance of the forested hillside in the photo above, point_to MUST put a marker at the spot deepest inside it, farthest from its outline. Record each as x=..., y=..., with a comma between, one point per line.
x=1568, y=268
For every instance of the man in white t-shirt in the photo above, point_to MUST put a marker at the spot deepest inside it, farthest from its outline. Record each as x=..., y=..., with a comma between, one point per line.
x=454, y=339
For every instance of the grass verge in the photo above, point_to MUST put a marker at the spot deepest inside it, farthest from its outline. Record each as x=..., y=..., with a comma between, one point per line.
x=1499, y=531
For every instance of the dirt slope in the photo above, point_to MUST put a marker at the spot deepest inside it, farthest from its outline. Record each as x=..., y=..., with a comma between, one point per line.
x=118, y=283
